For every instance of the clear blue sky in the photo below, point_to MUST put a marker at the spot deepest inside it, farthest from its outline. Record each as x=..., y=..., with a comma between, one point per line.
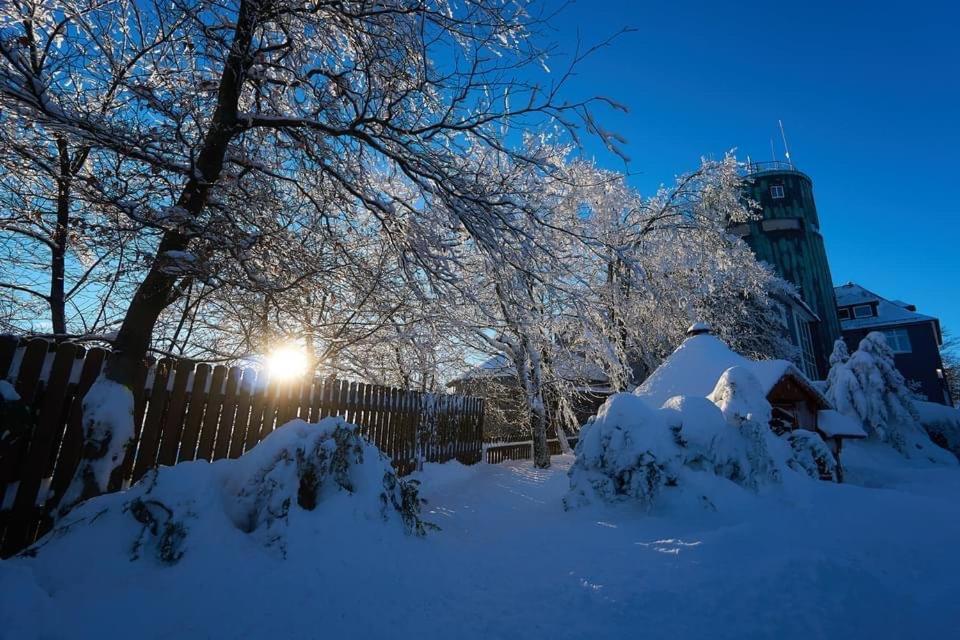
x=869, y=94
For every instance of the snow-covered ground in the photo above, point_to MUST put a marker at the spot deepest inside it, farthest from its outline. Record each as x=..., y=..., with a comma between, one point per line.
x=804, y=559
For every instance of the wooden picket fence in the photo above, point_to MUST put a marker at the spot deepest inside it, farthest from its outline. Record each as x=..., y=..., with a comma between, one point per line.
x=503, y=451
x=185, y=410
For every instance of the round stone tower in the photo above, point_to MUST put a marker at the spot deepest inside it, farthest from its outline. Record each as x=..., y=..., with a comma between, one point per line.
x=787, y=236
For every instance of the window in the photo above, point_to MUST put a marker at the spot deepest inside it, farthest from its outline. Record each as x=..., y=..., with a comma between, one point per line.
x=862, y=311
x=899, y=340
x=781, y=224
x=844, y=314
x=806, y=351
x=776, y=191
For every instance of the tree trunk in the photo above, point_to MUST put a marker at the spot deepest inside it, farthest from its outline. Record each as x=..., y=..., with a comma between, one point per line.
x=57, y=299
x=159, y=288
x=538, y=426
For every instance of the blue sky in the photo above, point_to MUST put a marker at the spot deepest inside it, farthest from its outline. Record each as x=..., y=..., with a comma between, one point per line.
x=869, y=94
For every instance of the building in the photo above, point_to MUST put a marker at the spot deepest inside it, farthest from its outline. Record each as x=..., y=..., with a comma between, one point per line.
x=914, y=337
x=699, y=362
x=787, y=237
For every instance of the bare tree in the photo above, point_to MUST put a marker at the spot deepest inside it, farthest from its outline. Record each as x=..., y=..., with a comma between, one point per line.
x=269, y=120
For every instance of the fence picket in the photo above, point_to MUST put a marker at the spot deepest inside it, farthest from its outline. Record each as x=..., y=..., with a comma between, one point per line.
x=173, y=419
x=191, y=423
x=146, y=455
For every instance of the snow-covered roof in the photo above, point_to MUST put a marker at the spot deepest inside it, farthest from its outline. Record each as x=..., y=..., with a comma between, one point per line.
x=888, y=312
x=697, y=364
x=834, y=424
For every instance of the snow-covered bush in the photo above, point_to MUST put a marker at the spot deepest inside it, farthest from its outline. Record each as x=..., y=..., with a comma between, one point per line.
x=867, y=386
x=810, y=454
x=942, y=424
x=300, y=471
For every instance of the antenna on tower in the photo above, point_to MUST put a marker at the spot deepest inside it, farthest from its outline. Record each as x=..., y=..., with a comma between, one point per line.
x=773, y=151
x=786, y=148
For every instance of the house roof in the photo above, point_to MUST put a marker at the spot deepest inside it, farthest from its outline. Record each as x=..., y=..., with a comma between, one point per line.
x=694, y=368
x=889, y=313
x=834, y=424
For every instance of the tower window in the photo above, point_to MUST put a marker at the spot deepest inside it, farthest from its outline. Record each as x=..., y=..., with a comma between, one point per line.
x=863, y=311
x=844, y=314
x=776, y=191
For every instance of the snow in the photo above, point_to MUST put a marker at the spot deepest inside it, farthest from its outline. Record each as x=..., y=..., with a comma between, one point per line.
x=806, y=560
x=107, y=419
x=694, y=368
x=833, y=423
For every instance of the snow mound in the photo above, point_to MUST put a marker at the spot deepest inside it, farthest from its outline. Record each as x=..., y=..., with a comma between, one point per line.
x=633, y=452
x=694, y=368
x=300, y=480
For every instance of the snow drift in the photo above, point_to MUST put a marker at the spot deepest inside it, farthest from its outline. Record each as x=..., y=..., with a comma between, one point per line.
x=302, y=476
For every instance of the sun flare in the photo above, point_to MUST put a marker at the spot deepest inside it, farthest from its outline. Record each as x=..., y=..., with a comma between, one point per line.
x=287, y=362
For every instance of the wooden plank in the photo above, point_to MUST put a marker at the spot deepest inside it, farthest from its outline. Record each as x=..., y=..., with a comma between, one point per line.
x=260, y=399
x=125, y=473
x=33, y=467
x=244, y=397
x=211, y=413
x=224, y=435
x=8, y=347
x=194, y=416
x=72, y=443
x=174, y=417
x=317, y=398
x=146, y=455
x=26, y=384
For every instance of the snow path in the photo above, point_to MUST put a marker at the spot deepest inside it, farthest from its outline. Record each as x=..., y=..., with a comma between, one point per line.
x=813, y=560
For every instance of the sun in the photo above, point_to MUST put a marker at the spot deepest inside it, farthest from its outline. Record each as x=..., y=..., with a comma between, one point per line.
x=287, y=362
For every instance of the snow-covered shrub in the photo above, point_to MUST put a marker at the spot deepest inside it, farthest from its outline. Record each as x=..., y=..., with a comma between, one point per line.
x=942, y=424
x=298, y=472
x=867, y=386
x=626, y=452
x=740, y=397
x=810, y=454
x=631, y=451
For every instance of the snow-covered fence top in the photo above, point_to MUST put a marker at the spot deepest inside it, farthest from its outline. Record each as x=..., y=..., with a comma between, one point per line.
x=185, y=411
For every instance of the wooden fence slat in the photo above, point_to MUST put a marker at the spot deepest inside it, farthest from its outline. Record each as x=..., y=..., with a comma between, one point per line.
x=28, y=379
x=258, y=407
x=225, y=424
x=73, y=434
x=23, y=519
x=244, y=397
x=124, y=475
x=173, y=418
x=146, y=455
x=191, y=423
x=211, y=414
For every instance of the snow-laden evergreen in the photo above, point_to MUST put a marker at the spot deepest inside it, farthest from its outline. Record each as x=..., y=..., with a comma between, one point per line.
x=867, y=386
